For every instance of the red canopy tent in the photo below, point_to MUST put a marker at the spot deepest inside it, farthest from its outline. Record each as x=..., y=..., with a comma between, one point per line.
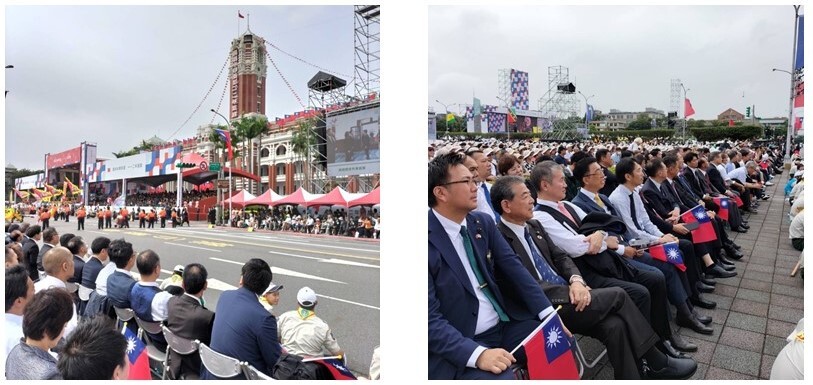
x=299, y=197
x=373, y=198
x=267, y=198
x=239, y=199
x=337, y=197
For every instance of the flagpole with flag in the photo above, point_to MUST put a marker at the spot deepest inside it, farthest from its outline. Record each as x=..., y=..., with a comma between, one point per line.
x=548, y=351
x=137, y=355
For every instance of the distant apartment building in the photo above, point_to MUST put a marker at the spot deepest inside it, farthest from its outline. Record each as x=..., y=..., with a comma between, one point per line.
x=619, y=120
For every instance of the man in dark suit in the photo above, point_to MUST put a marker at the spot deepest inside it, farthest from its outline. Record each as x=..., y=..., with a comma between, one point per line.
x=31, y=250
x=606, y=161
x=96, y=262
x=694, y=175
x=607, y=314
x=189, y=318
x=120, y=283
x=472, y=325
x=244, y=329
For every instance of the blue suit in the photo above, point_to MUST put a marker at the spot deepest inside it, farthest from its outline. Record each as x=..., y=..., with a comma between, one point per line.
x=244, y=330
x=453, y=305
x=589, y=205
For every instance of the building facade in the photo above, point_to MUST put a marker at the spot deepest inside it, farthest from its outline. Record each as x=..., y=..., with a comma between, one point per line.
x=619, y=120
x=247, y=73
x=730, y=114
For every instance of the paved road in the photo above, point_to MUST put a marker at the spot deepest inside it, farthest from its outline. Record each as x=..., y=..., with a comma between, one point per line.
x=344, y=272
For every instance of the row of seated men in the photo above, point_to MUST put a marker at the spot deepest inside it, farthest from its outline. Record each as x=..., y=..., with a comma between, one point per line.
x=579, y=253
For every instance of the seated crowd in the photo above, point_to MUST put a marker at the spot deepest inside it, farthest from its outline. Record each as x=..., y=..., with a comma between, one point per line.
x=52, y=333
x=330, y=222
x=622, y=237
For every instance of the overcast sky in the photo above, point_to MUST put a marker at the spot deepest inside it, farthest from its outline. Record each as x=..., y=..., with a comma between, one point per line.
x=624, y=55
x=114, y=75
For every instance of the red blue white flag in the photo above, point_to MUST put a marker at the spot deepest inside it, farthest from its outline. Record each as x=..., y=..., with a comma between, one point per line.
x=705, y=231
x=137, y=354
x=724, y=204
x=669, y=253
x=335, y=367
x=226, y=136
x=549, y=353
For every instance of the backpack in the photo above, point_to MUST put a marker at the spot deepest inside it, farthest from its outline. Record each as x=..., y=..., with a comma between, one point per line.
x=291, y=367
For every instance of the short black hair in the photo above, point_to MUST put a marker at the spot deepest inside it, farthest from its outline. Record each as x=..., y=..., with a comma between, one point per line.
x=653, y=167
x=16, y=284
x=33, y=231
x=147, y=261
x=47, y=314
x=194, y=278
x=502, y=189
x=99, y=244
x=626, y=154
x=49, y=234
x=577, y=156
x=582, y=168
x=256, y=275
x=689, y=156
x=63, y=240
x=439, y=172
x=11, y=227
x=93, y=351
x=120, y=252
x=74, y=244
x=624, y=167
x=670, y=160
x=601, y=153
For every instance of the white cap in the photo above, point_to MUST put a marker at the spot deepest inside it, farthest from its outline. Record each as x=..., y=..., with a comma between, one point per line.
x=306, y=296
x=272, y=288
x=799, y=173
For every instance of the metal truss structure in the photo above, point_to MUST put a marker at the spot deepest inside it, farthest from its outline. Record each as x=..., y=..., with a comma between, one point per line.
x=367, y=41
x=559, y=103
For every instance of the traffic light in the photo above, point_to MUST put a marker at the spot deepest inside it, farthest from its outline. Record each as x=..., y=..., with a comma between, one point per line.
x=186, y=165
x=748, y=112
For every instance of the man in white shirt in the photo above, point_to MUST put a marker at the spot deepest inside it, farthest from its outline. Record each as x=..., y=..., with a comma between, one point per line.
x=19, y=290
x=58, y=265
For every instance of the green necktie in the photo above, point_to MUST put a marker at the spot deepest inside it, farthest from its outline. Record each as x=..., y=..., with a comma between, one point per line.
x=479, y=275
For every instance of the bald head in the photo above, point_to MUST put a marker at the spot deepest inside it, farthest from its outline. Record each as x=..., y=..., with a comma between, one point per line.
x=58, y=262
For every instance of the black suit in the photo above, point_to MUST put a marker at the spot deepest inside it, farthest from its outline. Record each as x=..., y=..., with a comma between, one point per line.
x=30, y=252
x=43, y=250
x=188, y=319
x=90, y=272
x=716, y=179
x=611, y=316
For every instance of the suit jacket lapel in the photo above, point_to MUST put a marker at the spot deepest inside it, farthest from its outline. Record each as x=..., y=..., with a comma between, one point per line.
x=441, y=241
x=516, y=245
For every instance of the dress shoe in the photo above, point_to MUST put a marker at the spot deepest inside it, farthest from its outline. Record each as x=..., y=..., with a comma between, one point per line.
x=703, y=288
x=766, y=197
x=704, y=303
x=666, y=348
x=726, y=266
x=694, y=324
x=707, y=280
x=675, y=369
x=751, y=211
x=745, y=226
x=719, y=272
x=740, y=229
x=733, y=253
x=677, y=342
x=736, y=246
x=705, y=319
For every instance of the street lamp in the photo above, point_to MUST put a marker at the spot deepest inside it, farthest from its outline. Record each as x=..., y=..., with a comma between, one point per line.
x=446, y=108
x=790, y=112
x=228, y=124
x=586, y=98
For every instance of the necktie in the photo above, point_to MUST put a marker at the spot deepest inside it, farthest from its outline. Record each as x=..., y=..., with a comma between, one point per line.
x=564, y=211
x=542, y=266
x=632, y=211
x=479, y=275
x=488, y=199
x=598, y=200
x=686, y=186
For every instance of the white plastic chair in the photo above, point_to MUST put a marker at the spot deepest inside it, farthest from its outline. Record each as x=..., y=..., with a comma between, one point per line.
x=253, y=374
x=84, y=292
x=153, y=352
x=219, y=365
x=178, y=344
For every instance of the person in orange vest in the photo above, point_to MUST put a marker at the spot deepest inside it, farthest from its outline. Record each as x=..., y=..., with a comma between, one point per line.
x=141, y=216
x=163, y=216
x=108, y=218
x=174, y=216
x=45, y=216
x=151, y=219
x=100, y=217
x=66, y=212
x=125, y=217
x=80, y=218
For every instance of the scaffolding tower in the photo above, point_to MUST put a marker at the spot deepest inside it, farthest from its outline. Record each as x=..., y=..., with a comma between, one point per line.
x=504, y=87
x=676, y=104
x=324, y=90
x=559, y=102
x=367, y=39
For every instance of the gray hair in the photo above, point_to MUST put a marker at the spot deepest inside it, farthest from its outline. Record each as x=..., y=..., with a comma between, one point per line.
x=751, y=164
x=503, y=189
x=543, y=171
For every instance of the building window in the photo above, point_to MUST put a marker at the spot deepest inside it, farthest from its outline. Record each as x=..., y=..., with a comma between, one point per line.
x=264, y=153
x=281, y=150
x=264, y=170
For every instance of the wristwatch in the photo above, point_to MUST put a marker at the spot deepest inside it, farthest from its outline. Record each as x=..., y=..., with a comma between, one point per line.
x=577, y=278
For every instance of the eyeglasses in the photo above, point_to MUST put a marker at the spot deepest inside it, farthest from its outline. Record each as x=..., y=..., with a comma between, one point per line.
x=470, y=182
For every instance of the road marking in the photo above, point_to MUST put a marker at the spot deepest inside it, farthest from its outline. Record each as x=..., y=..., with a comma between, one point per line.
x=213, y=283
x=295, y=255
x=350, y=263
x=194, y=247
x=136, y=233
x=167, y=237
x=274, y=239
x=286, y=272
x=213, y=244
x=350, y=302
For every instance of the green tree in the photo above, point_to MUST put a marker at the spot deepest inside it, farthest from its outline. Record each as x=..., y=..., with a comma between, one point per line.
x=248, y=129
x=302, y=140
x=641, y=123
x=457, y=125
x=143, y=146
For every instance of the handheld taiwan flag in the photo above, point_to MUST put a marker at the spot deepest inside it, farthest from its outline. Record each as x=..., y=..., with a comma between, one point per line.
x=705, y=231
x=669, y=253
x=335, y=366
x=724, y=204
x=137, y=354
x=226, y=136
x=547, y=349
